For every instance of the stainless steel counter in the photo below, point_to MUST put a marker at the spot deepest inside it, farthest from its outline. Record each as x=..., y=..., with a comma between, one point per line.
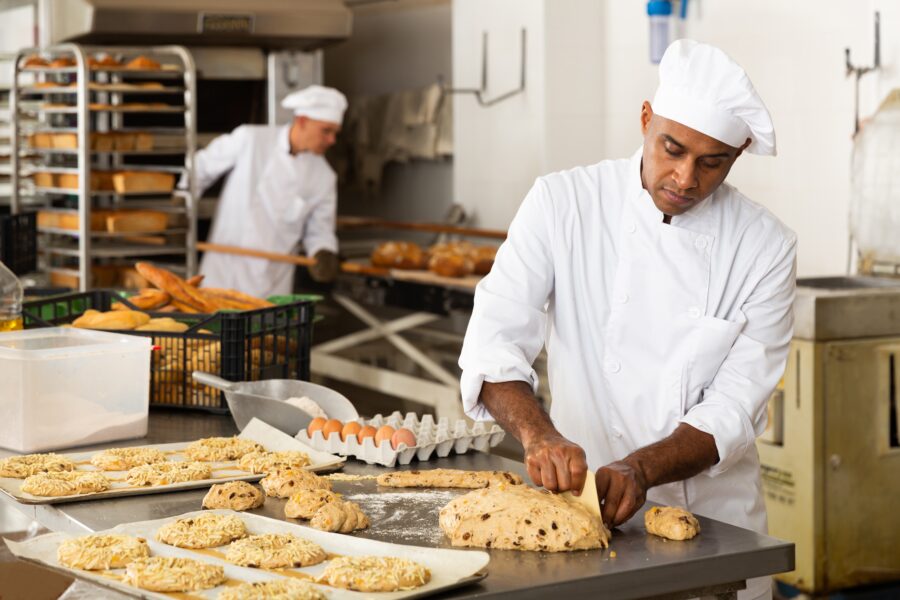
x=716, y=562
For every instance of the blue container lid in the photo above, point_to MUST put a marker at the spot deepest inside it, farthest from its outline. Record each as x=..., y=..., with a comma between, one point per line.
x=659, y=7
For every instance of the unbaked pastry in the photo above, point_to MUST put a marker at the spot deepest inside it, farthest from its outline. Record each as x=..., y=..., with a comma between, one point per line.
x=24, y=466
x=340, y=517
x=203, y=531
x=374, y=574
x=521, y=518
x=65, y=483
x=168, y=472
x=448, y=478
x=306, y=503
x=171, y=574
x=122, y=459
x=671, y=523
x=274, y=551
x=279, y=589
x=236, y=495
x=221, y=448
x=266, y=462
x=286, y=482
x=97, y=552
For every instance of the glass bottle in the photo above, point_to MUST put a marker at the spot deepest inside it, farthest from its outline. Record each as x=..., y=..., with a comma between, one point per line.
x=10, y=300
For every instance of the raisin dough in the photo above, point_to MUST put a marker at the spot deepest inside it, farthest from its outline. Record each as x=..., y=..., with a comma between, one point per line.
x=236, y=495
x=521, y=518
x=221, y=448
x=286, y=482
x=274, y=551
x=448, y=478
x=341, y=517
x=671, y=523
x=122, y=459
x=203, y=531
x=99, y=552
x=374, y=574
x=280, y=589
x=306, y=503
x=266, y=462
x=65, y=483
x=171, y=574
x=27, y=465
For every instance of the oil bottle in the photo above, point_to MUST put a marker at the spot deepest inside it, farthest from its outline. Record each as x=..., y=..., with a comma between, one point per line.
x=10, y=300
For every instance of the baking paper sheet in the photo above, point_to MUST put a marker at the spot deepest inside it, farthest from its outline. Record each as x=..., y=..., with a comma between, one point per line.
x=258, y=431
x=449, y=568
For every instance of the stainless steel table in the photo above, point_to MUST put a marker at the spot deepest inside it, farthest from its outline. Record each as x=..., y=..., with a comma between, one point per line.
x=715, y=563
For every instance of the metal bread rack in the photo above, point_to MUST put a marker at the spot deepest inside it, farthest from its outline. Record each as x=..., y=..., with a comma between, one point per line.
x=95, y=100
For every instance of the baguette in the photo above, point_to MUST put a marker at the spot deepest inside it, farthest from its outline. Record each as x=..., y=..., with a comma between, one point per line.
x=115, y=320
x=235, y=297
x=195, y=281
x=148, y=299
x=181, y=307
x=165, y=324
x=175, y=286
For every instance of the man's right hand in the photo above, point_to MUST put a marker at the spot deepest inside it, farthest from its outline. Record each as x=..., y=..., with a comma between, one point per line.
x=556, y=463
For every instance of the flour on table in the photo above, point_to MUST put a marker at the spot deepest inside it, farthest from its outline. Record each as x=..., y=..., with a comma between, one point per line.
x=410, y=517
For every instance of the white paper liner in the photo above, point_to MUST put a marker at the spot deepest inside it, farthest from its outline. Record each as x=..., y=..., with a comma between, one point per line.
x=258, y=431
x=432, y=439
x=449, y=568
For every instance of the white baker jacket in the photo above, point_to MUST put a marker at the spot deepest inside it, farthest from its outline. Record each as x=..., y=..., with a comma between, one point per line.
x=271, y=201
x=647, y=325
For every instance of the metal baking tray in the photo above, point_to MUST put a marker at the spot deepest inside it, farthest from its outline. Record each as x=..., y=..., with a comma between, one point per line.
x=260, y=432
x=449, y=568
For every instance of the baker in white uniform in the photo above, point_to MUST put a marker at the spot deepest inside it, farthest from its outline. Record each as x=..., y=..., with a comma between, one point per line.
x=664, y=298
x=280, y=191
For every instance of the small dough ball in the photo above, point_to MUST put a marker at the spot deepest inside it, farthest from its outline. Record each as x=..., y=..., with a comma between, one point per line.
x=315, y=425
x=332, y=426
x=351, y=428
x=366, y=431
x=403, y=436
x=384, y=433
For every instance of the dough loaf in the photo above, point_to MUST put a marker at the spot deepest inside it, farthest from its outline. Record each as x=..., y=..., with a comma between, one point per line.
x=221, y=448
x=65, y=483
x=166, y=473
x=306, y=503
x=274, y=551
x=266, y=462
x=448, y=478
x=27, y=465
x=374, y=574
x=671, y=523
x=236, y=495
x=171, y=574
x=341, y=516
x=279, y=589
x=203, y=531
x=122, y=459
x=284, y=483
x=521, y=518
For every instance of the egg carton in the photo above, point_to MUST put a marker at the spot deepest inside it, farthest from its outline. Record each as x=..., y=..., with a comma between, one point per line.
x=432, y=439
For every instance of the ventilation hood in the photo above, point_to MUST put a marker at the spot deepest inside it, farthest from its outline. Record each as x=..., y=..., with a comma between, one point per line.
x=271, y=24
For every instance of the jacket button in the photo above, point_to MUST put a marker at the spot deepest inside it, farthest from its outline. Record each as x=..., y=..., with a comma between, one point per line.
x=622, y=298
x=616, y=432
x=694, y=312
x=612, y=366
x=630, y=227
x=700, y=243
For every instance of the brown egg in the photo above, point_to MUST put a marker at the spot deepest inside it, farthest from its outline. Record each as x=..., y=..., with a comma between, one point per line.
x=403, y=436
x=351, y=428
x=333, y=425
x=384, y=433
x=366, y=431
x=315, y=425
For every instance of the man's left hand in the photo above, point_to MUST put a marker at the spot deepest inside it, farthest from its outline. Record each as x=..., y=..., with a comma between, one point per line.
x=622, y=489
x=326, y=268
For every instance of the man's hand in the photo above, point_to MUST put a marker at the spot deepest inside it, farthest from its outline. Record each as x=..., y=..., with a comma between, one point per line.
x=622, y=489
x=556, y=463
x=326, y=268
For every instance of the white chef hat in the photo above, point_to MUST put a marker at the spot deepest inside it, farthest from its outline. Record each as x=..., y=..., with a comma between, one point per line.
x=317, y=102
x=702, y=88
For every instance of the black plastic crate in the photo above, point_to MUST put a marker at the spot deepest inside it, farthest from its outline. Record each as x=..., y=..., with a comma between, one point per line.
x=267, y=343
x=18, y=242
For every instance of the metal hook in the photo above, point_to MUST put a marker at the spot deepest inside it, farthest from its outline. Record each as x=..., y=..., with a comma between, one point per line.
x=479, y=92
x=860, y=71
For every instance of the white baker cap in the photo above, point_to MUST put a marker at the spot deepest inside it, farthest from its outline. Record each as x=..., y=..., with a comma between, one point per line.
x=702, y=88
x=317, y=102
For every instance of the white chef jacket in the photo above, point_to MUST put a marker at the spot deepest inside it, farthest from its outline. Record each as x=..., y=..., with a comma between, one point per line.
x=271, y=201
x=647, y=325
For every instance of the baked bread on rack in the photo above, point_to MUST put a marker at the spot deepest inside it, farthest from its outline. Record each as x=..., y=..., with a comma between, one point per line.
x=142, y=62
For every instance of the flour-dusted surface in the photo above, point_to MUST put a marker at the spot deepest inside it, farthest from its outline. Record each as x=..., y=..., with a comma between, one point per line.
x=409, y=517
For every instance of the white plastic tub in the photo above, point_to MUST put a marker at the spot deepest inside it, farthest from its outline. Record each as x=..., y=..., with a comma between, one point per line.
x=63, y=387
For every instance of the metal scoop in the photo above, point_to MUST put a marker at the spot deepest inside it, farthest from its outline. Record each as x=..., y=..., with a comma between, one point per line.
x=265, y=400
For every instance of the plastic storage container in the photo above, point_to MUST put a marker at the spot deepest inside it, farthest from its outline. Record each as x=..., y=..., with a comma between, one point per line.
x=64, y=387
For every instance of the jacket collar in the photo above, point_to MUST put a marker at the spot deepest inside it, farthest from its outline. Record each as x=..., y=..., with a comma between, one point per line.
x=283, y=139
x=699, y=218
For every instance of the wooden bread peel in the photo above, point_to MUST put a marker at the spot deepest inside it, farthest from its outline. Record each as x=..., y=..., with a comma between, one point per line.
x=588, y=497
